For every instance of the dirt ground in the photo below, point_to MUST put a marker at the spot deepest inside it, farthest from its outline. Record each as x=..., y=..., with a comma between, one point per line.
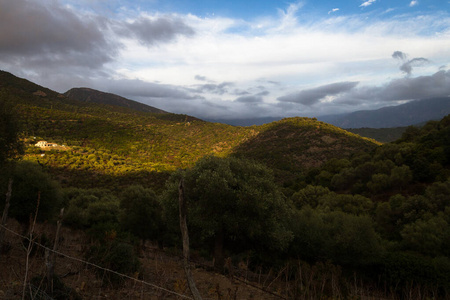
x=161, y=271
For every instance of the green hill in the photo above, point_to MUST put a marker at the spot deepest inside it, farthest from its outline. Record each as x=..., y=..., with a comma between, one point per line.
x=293, y=144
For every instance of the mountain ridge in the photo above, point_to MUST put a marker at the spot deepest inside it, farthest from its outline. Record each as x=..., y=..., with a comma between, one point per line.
x=407, y=114
x=91, y=95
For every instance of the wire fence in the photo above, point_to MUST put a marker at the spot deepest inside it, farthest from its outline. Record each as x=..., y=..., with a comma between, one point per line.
x=39, y=294
x=87, y=263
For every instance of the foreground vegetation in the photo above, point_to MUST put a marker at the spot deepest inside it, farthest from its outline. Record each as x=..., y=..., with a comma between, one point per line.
x=336, y=215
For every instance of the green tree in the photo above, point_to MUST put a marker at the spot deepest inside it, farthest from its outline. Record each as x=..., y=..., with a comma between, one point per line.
x=30, y=181
x=352, y=204
x=337, y=236
x=428, y=236
x=309, y=195
x=311, y=238
x=232, y=202
x=353, y=240
x=379, y=183
x=400, y=176
x=10, y=143
x=141, y=213
x=439, y=195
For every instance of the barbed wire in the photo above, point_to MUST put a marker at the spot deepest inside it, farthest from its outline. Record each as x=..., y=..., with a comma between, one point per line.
x=244, y=281
x=138, y=280
x=96, y=266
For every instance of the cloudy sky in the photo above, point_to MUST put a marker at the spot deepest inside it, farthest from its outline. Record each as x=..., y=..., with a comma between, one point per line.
x=234, y=59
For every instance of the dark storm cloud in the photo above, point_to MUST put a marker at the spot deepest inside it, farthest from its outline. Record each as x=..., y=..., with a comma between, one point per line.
x=139, y=88
x=150, y=32
x=213, y=88
x=263, y=93
x=200, y=78
x=408, y=66
x=313, y=96
x=250, y=99
x=399, y=55
x=42, y=32
x=436, y=85
x=238, y=92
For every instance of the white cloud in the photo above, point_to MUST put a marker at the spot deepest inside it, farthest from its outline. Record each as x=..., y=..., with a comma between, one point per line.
x=226, y=64
x=367, y=3
x=413, y=3
x=333, y=10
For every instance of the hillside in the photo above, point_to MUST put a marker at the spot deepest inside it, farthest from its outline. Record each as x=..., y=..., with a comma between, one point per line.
x=383, y=135
x=293, y=144
x=91, y=95
x=407, y=114
x=112, y=143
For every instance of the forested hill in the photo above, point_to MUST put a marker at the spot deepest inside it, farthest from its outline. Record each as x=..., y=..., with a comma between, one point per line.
x=293, y=144
x=91, y=95
x=118, y=141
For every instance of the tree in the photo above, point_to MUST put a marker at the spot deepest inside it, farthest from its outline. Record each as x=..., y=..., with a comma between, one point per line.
x=400, y=176
x=232, y=202
x=309, y=195
x=353, y=239
x=141, y=213
x=379, y=183
x=29, y=180
x=427, y=236
x=10, y=144
x=341, y=237
x=352, y=204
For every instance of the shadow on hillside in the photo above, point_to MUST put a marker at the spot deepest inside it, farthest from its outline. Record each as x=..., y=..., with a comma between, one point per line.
x=298, y=144
x=94, y=179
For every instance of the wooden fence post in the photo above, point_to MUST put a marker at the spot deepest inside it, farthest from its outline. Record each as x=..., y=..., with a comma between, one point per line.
x=185, y=235
x=51, y=255
x=5, y=212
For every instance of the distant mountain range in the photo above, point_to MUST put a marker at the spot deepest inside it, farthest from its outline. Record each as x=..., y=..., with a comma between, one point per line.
x=245, y=122
x=94, y=96
x=410, y=113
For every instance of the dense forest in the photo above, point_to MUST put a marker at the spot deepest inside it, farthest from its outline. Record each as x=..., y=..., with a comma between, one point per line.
x=326, y=206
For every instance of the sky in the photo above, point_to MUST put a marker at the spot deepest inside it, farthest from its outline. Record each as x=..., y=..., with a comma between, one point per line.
x=234, y=59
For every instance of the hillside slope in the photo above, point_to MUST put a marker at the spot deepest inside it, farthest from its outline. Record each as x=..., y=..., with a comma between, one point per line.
x=91, y=95
x=410, y=113
x=294, y=144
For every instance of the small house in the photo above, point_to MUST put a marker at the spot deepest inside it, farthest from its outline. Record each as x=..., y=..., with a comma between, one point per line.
x=41, y=144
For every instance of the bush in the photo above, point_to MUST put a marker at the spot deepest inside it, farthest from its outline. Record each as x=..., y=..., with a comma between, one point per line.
x=30, y=181
x=114, y=255
x=141, y=213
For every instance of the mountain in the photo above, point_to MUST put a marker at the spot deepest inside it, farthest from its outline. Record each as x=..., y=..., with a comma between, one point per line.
x=410, y=113
x=246, y=121
x=94, y=96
